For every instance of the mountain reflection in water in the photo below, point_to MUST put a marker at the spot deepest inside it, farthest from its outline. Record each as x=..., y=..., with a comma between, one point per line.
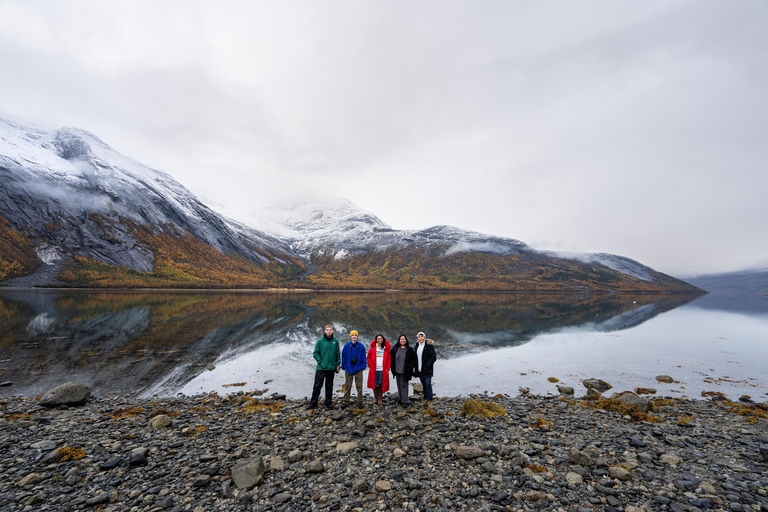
x=141, y=342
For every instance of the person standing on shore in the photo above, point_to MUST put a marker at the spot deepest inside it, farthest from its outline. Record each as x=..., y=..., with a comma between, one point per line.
x=426, y=357
x=328, y=362
x=379, y=363
x=403, y=367
x=353, y=362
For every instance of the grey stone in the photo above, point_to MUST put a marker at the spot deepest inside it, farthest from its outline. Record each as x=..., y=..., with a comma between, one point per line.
x=295, y=456
x=360, y=485
x=201, y=481
x=30, y=479
x=593, y=394
x=566, y=390
x=276, y=463
x=580, y=458
x=102, y=497
x=345, y=448
x=111, y=463
x=160, y=421
x=71, y=393
x=315, y=466
x=665, y=378
x=640, y=403
x=597, y=384
x=249, y=473
x=469, y=452
x=282, y=497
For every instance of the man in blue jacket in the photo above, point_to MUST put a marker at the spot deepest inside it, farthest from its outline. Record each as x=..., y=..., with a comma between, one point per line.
x=353, y=362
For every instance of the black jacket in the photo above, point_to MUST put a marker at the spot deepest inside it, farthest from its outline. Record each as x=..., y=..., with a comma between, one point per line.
x=411, y=363
x=428, y=358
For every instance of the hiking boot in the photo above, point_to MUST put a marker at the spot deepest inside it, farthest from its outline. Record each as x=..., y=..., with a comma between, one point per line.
x=311, y=406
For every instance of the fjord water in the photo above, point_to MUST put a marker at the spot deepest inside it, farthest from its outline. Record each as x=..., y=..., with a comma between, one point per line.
x=190, y=342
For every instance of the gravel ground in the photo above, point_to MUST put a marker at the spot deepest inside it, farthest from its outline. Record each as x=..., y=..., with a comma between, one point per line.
x=251, y=452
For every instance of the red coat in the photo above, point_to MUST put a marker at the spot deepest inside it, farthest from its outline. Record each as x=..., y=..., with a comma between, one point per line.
x=372, y=366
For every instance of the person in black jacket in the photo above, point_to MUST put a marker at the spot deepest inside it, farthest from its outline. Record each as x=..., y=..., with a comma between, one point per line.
x=404, y=367
x=426, y=357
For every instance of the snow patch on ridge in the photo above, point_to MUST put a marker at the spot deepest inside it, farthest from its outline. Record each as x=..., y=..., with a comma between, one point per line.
x=621, y=264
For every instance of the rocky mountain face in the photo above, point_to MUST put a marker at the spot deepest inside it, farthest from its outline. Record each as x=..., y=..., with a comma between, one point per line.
x=75, y=212
x=68, y=196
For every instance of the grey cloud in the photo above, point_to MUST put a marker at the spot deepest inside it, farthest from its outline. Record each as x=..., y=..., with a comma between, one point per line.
x=623, y=127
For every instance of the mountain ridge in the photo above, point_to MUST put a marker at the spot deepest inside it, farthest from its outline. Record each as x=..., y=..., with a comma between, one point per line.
x=110, y=221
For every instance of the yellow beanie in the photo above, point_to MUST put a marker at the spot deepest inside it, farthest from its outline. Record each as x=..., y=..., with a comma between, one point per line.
x=353, y=333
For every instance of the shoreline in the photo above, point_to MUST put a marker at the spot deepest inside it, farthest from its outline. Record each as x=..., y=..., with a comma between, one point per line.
x=548, y=453
x=354, y=290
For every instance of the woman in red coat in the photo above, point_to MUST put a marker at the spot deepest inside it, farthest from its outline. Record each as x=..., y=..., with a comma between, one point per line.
x=379, y=362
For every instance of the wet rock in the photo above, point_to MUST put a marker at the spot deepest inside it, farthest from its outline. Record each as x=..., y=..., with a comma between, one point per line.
x=71, y=394
x=665, y=379
x=566, y=390
x=598, y=384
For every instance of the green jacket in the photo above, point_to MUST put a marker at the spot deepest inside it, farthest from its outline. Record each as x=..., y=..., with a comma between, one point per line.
x=327, y=354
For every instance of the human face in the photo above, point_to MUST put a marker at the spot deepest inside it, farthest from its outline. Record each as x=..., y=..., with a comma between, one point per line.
x=402, y=341
x=329, y=331
x=421, y=338
x=353, y=338
x=380, y=340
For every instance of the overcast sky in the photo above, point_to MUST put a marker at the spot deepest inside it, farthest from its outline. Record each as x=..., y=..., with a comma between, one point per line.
x=636, y=128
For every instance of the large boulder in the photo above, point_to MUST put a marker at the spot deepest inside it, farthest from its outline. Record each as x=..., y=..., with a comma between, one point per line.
x=249, y=473
x=640, y=403
x=71, y=393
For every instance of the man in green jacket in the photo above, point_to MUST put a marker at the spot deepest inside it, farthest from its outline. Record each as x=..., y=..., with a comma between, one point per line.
x=328, y=362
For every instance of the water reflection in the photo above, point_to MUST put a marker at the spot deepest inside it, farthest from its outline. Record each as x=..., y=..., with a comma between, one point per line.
x=147, y=342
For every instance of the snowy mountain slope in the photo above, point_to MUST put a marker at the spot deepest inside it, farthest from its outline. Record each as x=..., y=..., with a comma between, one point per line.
x=336, y=228
x=75, y=195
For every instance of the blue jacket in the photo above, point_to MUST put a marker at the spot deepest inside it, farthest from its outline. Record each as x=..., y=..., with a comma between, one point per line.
x=348, y=353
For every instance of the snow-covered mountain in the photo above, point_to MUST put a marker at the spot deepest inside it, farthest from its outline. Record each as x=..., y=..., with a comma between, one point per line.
x=336, y=228
x=69, y=199
x=75, y=195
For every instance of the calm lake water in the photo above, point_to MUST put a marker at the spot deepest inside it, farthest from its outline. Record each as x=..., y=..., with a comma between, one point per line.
x=164, y=343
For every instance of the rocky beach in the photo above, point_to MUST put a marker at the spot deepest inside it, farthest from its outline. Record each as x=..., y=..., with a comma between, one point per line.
x=261, y=451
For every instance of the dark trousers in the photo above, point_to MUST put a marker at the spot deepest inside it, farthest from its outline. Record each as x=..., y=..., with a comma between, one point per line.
x=402, y=389
x=321, y=375
x=426, y=383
